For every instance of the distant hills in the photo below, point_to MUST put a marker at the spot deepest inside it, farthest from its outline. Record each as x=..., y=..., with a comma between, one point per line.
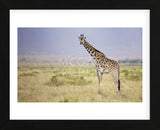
x=73, y=59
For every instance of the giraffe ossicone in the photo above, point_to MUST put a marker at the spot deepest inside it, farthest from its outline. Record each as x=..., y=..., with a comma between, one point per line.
x=103, y=64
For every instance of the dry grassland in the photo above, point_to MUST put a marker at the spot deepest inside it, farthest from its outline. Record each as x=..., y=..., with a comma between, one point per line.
x=41, y=82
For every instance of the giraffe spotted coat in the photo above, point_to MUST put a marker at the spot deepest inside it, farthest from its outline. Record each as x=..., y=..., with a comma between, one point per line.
x=103, y=64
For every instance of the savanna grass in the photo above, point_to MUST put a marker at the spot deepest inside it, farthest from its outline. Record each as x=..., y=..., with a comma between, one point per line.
x=53, y=83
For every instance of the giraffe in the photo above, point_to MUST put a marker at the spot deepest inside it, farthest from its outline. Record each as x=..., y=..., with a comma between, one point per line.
x=103, y=64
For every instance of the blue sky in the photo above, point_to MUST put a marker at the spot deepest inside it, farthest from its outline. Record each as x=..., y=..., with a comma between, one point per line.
x=114, y=42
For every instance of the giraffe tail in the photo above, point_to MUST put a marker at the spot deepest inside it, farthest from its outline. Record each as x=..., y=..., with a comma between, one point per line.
x=118, y=85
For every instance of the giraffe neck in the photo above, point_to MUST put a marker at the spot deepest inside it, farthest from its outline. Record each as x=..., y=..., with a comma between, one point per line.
x=97, y=55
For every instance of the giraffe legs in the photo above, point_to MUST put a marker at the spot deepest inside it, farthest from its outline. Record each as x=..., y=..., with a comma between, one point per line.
x=116, y=84
x=116, y=80
x=99, y=74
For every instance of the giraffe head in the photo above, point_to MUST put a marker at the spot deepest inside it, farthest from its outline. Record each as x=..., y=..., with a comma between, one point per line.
x=82, y=39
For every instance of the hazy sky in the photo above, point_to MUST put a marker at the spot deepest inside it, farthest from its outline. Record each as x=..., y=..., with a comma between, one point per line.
x=114, y=42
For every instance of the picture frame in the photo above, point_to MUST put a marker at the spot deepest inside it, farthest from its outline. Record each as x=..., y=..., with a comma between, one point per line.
x=64, y=78
x=5, y=121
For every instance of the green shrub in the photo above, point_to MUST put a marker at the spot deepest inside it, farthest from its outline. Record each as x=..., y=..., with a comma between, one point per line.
x=54, y=82
x=76, y=99
x=66, y=100
x=126, y=72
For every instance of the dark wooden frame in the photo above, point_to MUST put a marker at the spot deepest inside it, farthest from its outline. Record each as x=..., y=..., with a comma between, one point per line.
x=153, y=123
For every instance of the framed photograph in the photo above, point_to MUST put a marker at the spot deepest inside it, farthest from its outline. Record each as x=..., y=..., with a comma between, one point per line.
x=79, y=65
x=61, y=64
